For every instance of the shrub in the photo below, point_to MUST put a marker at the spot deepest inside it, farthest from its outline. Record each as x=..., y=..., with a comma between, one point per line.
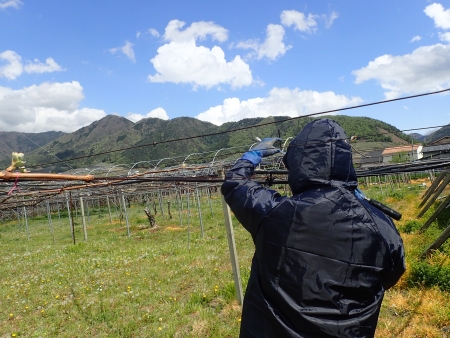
x=410, y=226
x=424, y=274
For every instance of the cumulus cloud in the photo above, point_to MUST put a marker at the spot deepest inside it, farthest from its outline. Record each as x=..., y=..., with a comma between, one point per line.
x=279, y=102
x=10, y=3
x=426, y=69
x=37, y=67
x=14, y=66
x=299, y=20
x=48, y=106
x=159, y=113
x=416, y=38
x=439, y=14
x=271, y=48
x=445, y=36
x=197, y=30
x=126, y=50
x=182, y=61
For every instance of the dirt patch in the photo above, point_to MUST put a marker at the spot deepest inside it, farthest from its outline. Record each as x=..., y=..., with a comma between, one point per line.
x=174, y=228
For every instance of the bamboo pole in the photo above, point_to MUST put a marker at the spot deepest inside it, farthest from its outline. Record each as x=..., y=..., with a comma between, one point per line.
x=11, y=176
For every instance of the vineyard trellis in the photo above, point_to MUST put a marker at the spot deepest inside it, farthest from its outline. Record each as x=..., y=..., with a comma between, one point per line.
x=179, y=179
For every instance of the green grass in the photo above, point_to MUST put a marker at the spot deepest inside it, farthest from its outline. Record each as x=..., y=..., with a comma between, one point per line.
x=173, y=282
x=112, y=285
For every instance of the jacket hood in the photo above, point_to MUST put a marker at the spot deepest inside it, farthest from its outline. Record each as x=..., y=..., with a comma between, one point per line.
x=320, y=155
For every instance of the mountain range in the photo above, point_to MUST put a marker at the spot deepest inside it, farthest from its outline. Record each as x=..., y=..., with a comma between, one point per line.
x=116, y=140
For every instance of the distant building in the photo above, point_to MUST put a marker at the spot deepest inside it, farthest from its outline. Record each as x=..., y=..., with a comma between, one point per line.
x=442, y=140
x=437, y=149
x=371, y=159
x=411, y=152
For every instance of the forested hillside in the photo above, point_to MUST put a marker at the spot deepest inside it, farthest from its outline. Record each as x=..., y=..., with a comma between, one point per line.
x=149, y=139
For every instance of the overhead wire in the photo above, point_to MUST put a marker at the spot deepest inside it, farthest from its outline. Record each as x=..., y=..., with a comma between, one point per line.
x=247, y=127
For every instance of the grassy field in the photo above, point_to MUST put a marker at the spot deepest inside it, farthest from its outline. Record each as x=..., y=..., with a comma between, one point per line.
x=171, y=281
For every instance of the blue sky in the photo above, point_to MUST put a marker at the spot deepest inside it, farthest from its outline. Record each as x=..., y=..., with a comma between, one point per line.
x=65, y=64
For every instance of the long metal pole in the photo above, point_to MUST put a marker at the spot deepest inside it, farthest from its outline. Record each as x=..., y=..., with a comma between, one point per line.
x=199, y=212
x=232, y=246
x=50, y=224
x=83, y=218
x=126, y=214
x=109, y=209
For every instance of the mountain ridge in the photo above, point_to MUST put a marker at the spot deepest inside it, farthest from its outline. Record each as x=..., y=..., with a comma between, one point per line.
x=153, y=138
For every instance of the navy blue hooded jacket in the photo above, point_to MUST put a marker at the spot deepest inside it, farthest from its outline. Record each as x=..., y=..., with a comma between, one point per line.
x=323, y=258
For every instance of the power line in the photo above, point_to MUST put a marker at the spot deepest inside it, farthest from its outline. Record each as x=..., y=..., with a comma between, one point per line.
x=249, y=127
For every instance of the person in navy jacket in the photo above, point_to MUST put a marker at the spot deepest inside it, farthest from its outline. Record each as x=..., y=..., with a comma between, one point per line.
x=323, y=257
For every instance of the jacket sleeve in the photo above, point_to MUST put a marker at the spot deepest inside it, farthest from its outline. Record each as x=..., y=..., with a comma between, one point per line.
x=249, y=201
x=398, y=266
x=395, y=265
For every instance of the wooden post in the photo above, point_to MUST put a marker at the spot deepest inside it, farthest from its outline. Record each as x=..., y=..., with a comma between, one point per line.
x=232, y=246
x=437, y=243
x=83, y=218
x=432, y=188
x=435, y=196
x=436, y=213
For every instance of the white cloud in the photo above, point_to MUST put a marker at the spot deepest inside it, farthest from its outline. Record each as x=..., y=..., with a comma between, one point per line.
x=279, y=102
x=36, y=67
x=48, y=106
x=439, y=14
x=10, y=3
x=271, y=48
x=197, y=30
x=416, y=38
x=330, y=19
x=159, y=113
x=14, y=67
x=445, y=36
x=299, y=20
x=126, y=49
x=426, y=69
x=153, y=32
x=182, y=61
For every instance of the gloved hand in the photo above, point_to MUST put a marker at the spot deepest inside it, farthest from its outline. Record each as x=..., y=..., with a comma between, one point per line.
x=266, y=146
x=262, y=149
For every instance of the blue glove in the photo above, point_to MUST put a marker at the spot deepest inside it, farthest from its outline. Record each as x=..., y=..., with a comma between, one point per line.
x=252, y=156
x=266, y=146
x=262, y=149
